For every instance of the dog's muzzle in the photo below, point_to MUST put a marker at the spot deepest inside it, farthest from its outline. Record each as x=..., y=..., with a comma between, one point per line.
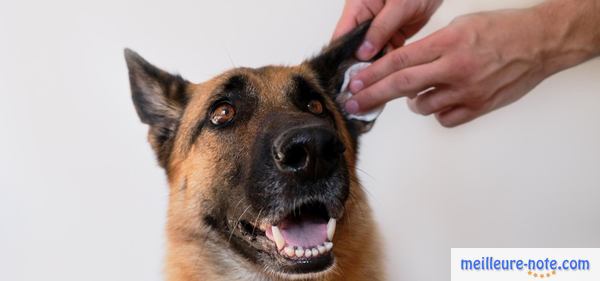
x=306, y=153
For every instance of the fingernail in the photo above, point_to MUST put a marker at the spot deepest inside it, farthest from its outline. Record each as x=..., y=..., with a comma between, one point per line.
x=365, y=51
x=356, y=86
x=351, y=106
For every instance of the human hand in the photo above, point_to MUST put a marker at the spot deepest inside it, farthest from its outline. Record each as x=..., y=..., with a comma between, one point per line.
x=394, y=21
x=476, y=64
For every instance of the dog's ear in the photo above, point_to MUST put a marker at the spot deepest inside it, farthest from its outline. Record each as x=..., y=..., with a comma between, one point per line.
x=333, y=61
x=159, y=98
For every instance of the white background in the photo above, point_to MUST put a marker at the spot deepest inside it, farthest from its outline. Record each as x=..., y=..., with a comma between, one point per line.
x=81, y=197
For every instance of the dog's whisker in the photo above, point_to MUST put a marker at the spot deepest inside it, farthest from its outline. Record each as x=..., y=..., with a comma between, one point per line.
x=256, y=221
x=364, y=172
x=362, y=187
x=356, y=168
x=229, y=56
x=236, y=205
x=237, y=222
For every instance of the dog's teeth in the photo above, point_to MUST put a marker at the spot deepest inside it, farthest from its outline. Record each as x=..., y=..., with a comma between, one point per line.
x=299, y=252
x=308, y=253
x=331, y=229
x=321, y=249
x=289, y=251
x=278, y=237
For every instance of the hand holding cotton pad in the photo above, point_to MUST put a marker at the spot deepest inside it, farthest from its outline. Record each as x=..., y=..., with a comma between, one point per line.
x=345, y=94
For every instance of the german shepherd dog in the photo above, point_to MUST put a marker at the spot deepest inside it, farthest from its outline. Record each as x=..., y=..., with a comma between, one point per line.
x=261, y=168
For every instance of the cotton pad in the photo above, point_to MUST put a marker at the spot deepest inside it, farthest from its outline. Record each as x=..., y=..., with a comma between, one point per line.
x=345, y=94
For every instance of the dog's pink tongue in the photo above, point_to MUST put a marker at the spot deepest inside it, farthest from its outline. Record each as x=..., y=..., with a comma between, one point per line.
x=304, y=233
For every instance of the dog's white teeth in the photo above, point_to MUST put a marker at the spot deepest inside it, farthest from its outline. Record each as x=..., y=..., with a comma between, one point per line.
x=314, y=252
x=289, y=251
x=321, y=249
x=278, y=237
x=308, y=253
x=299, y=252
x=331, y=229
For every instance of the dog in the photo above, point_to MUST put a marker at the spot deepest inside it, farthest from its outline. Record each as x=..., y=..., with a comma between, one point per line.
x=261, y=168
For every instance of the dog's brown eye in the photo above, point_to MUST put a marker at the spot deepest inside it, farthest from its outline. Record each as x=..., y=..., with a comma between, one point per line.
x=222, y=113
x=315, y=106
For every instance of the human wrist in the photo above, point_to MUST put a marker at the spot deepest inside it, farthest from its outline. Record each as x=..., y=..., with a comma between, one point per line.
x=569, y=31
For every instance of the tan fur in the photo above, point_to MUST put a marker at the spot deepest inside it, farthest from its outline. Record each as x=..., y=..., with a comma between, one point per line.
x=191, y=168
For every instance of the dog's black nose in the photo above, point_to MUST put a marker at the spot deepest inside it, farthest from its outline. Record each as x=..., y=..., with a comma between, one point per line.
x=310, y=152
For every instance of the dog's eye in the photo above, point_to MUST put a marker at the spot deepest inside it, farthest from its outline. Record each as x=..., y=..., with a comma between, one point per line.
x=222, y=113
x=315, y=106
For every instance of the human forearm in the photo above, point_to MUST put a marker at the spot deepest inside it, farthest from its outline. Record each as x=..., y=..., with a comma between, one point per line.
x=571, y=32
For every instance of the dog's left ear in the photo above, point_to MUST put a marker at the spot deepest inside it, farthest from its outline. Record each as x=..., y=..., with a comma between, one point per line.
x=333, y=61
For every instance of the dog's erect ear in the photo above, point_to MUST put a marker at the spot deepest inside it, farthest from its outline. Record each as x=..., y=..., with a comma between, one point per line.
x=159, y=99
x=333, y=61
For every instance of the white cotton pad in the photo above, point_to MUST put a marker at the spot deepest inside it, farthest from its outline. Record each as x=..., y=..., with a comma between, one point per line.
x=345, y=94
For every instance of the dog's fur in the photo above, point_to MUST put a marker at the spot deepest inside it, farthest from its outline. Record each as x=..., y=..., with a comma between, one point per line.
x=213, y=174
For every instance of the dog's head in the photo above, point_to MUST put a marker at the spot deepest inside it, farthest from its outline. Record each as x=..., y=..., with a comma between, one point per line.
x=260, y=161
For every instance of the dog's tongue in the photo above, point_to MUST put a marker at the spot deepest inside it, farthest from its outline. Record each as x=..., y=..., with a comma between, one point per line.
x=303, y=233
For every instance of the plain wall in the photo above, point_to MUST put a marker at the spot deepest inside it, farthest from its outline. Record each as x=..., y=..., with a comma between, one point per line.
x=82, y=198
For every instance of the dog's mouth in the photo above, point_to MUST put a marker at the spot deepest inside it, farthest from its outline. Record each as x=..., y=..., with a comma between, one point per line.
x=301, y=242
x=305, y=233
